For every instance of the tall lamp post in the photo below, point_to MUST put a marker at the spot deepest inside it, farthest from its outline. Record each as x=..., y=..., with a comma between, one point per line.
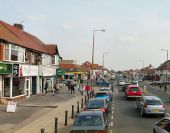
x=103, y=58
x=92, y=76
x=166, y=62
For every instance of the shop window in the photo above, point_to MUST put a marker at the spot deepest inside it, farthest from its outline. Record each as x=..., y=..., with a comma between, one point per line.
x=18, y=86
x=7, y=87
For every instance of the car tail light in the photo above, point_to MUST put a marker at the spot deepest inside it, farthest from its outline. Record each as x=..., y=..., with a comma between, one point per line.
x=145, y=105
x=100, y=132
x=103, y=109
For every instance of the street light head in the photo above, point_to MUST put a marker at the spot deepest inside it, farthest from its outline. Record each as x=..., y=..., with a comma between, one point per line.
x=103, y=30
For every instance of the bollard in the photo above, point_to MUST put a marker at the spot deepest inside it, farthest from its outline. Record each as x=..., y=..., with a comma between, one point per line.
x=78, y=107
x=81, y=103
x=56, y=125
x=66, y=114
x=85, y=100
x=42, y=130
x=72, y=112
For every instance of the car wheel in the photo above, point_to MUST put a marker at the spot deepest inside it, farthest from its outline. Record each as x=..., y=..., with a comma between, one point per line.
x=154, y=131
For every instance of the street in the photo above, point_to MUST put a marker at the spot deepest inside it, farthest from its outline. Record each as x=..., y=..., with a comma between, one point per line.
x=127, y=118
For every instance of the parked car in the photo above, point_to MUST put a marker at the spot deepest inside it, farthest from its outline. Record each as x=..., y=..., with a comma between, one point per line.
x=104, y=95
x=133, y=91
x=89, y=122
x=121, y=82
x=106, y=89
x=124, y=87
x=103, y=83
x=150, y=105
x=162, y=126
x=97, y=104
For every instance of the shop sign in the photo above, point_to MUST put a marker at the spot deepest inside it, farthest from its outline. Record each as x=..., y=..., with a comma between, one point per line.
x=15, y=70
x=5, y=68
x=48, y=71
x=11, y=107
x=28, y=70
x=60, y=72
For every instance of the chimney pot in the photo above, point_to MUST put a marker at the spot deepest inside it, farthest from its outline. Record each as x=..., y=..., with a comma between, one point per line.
x=19, y=26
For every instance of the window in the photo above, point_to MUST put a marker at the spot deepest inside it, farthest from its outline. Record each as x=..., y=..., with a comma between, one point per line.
x=53, y=60
x=7, y=87
x=18, y=86
x=14, y=53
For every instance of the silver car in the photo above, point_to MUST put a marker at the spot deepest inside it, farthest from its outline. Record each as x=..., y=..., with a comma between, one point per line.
x=150, y=105
x=163, y=126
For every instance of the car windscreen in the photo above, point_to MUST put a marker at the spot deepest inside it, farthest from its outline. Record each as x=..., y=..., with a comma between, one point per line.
x=100, y=94
x=153, y=102
x=92, y=120
x=95, y=104
x=134, y=89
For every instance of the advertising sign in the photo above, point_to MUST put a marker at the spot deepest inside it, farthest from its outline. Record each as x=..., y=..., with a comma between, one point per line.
x=5, y=68
x=15, y=70
x=11, y=107
x=28, y=70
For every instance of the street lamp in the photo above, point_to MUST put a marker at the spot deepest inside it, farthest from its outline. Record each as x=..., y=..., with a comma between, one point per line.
x=92, y=77
x=103, y=58
x=166, y=62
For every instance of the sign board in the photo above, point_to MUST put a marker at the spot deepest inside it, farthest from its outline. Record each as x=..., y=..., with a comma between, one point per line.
x=60, y=72
x=11, y=107
x=5, y=68
x=28, y=70
x=15, y=70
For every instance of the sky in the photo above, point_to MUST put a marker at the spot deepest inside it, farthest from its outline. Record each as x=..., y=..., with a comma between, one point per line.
x=136, y=30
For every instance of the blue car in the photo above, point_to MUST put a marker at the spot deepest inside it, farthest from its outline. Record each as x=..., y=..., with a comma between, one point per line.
x=103, y=83
x=104, y=95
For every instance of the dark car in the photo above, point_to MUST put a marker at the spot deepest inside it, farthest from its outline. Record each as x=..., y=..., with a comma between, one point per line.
x=103, y=83
x=104, y=95
x=97, y=104
x=89, y=122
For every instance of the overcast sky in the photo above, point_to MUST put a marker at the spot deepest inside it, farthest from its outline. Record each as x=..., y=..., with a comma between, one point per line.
x=136, y=30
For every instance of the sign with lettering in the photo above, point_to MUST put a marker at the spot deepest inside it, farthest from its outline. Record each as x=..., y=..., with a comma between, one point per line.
x=28, y=70
x=11, y=107
x=15, y=70
x=5, y=68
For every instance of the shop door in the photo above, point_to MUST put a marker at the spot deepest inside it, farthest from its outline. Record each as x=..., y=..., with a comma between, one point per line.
x=33, y=85
x=27, y=87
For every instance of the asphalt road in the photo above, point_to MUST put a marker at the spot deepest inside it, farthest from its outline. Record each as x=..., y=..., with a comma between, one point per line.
x=127, y=119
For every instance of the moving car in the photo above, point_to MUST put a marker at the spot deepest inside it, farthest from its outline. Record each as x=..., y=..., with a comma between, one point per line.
x=89, y=122
x=133, y=91
x=163, y=126
x=97, y=104
x=121, y=82
x=150, y=105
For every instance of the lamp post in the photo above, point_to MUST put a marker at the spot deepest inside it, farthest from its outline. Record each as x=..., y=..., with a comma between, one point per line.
x=103, y=58
x=92, y=77
x=166, y=62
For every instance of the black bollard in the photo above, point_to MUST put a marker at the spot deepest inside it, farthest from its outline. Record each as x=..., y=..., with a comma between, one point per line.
x=56, y=125
x=42, y=130
x=81, y=103
x=78, y=107
x=72, y=112
x=66, y=115
x=85, y=100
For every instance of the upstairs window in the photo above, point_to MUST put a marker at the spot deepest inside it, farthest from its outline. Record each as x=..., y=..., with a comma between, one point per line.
x=14, y=53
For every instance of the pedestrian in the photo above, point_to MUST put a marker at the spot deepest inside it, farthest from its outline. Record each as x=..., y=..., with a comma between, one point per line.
x=165, y=87
x=160, y=85
x=72, y=88
x=69, y=85
x=46, y=87
x=57, y=87
x=87, y=88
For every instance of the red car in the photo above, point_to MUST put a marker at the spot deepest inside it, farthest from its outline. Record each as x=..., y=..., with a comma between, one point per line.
x=133, y=91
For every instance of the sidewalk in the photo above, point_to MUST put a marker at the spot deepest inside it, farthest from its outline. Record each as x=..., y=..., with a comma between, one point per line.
x=39, y=112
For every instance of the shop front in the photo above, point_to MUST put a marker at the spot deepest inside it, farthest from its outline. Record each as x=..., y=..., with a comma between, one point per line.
x=47, y=74
x=19, y=84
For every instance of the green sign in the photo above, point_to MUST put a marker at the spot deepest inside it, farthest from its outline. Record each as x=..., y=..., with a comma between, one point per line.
x=5, y=68
x=60, y=72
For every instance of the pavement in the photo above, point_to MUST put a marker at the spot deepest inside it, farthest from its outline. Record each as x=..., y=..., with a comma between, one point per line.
x=39, y=112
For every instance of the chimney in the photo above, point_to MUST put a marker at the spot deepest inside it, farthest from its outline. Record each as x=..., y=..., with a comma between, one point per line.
x=19, y=26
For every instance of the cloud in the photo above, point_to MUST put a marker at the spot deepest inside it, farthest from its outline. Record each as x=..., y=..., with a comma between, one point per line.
x=69, y=26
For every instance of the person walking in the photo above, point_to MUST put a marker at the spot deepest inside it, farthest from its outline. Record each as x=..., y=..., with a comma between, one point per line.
x=46, y=87
x=165, y=87
x=72, y=88
x=87, y=88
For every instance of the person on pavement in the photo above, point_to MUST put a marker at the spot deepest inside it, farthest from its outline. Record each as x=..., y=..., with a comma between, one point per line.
x=87, y=88
x=72, y=87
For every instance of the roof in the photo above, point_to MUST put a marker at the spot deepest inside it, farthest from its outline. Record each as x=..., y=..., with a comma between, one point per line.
x=67, y=62
x=133, y=86
x=11, y=34
x=151, y=97
x=96, y=99
x=67, y=66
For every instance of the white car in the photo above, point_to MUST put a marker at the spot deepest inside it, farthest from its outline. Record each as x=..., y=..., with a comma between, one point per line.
x=163, y=126
x=121, y=82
